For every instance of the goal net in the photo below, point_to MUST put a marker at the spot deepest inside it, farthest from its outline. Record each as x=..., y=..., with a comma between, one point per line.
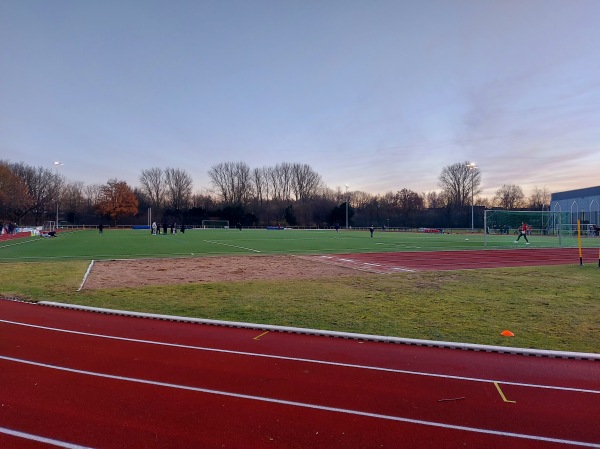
x=49, y=226
x=222, y=224
x=555, y=228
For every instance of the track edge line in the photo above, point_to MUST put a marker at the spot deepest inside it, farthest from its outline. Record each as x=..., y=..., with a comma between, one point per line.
x=336, y=334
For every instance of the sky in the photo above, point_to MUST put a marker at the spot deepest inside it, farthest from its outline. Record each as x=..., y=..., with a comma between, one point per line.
x=379, y=95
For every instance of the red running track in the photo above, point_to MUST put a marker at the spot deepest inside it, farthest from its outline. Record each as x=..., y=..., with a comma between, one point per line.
x=461, y=260
x=79, y=379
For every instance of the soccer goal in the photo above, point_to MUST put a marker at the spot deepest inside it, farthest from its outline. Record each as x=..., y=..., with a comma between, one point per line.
x=49, y=226
x=208, y=224
x=540, y=223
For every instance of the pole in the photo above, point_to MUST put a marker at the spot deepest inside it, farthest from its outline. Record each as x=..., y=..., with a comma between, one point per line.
x=471, y=167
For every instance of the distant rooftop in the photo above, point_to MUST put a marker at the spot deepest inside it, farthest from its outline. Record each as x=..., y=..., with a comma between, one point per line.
x=578, y=193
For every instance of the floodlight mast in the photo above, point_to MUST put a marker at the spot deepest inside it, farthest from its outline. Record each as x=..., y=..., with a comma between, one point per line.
x=472, y=166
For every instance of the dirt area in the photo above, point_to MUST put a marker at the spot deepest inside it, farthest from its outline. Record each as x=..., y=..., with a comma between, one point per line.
x=142, y=272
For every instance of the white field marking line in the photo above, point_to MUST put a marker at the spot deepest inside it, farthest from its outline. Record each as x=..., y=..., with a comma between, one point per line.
x=403, y=245
x=357, y=264
x=233, y=246
x=306, y=405
x=328, y=260
x=37, y=239
x=41, y=239
x=85, y=276
x=303, y=360
x=39, y=439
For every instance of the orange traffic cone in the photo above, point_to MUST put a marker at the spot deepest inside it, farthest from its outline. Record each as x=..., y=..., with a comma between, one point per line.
x=507, y=333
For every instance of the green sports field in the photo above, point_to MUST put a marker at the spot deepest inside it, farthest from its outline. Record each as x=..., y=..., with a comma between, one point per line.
x=125, y=244
x=553, y=307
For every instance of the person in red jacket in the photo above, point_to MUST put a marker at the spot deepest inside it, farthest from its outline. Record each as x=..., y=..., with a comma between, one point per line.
x=522, y=233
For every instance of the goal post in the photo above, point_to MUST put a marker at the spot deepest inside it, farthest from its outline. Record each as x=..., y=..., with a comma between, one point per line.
x=540, y=223
x=49, y=226
x=215, y=224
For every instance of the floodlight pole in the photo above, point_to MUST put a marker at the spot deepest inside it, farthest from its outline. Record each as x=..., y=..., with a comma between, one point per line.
x=346, y=206
x=57, y=164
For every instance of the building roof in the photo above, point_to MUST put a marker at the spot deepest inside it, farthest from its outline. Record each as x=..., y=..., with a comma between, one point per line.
x=578, y=193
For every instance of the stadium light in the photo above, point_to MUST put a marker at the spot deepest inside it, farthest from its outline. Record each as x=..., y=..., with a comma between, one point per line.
x=57, y=164
x=471, y=166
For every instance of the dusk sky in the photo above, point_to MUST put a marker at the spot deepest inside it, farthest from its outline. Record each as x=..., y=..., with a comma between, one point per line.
x=377, y=94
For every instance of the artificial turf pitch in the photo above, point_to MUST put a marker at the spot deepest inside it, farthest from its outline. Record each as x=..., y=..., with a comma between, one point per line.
x=129, y=244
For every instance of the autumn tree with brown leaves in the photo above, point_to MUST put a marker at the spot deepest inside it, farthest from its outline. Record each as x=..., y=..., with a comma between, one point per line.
x=116, y=200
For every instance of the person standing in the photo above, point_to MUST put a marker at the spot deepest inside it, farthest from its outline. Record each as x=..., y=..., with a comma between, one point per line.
x=371, y=230
x=522, y=233
x=100, y=228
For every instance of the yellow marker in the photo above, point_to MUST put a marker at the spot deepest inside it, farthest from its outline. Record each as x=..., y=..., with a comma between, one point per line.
x=502, y=394
x=264, y=333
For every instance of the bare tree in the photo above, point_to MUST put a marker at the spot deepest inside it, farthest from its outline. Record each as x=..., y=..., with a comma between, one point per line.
x=280, y=181
x=433, y=200
x=43, y=186
x=73, y=201
x=409, y=202
x=232, y=181
x=540, y=199
x=13, y=193
x=203, y=201
x=460, y=183
x=91, y=194
x=261, y=184
x=154, y=186
x=305, y=182
x=509, y=197
x=360, y=199
x=179, y=188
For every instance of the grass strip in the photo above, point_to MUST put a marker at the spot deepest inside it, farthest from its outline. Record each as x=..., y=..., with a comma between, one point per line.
x=555, y=308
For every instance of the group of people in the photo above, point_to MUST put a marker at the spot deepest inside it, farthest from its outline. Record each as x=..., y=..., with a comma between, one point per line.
x=165, y=228
x=7, y=228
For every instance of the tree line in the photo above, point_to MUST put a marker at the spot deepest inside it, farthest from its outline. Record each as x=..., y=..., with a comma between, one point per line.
x=290, y=194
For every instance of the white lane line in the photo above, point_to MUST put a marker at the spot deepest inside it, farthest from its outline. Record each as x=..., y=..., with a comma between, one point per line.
x=22, y=242
x=306, y=405
x=233, y=246
x=298, y=359
x=39, y=439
